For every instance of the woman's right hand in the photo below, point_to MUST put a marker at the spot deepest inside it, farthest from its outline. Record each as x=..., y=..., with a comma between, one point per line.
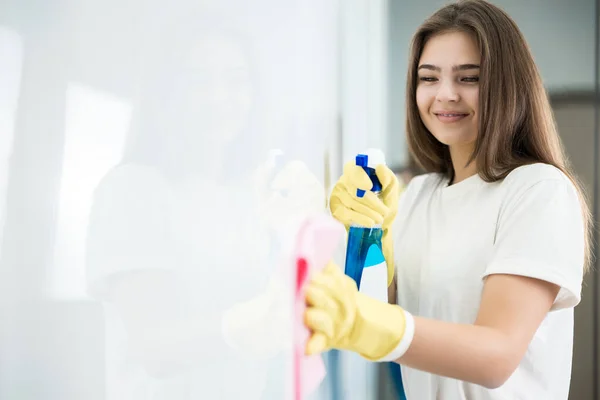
x=371, y=209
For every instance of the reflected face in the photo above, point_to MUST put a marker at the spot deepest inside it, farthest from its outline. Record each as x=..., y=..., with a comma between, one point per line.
x=216, y=88
x=448, y=88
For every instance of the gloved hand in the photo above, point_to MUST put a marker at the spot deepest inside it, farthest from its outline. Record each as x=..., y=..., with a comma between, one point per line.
x=371, y=209
x=340, y=317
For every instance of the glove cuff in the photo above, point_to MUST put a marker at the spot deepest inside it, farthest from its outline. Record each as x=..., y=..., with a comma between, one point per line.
x=405, y=342
x=382, y=330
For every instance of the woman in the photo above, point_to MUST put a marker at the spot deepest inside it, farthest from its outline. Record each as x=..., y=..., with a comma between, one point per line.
x=490, y=246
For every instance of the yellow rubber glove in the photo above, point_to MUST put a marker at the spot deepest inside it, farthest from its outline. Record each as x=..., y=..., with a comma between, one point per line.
x=340, y=317
x=371, y=209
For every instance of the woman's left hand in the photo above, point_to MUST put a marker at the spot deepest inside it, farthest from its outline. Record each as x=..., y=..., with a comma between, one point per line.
x=341, y=317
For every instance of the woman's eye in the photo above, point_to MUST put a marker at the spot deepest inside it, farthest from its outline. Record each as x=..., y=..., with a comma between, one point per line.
x=427, y=79
x=470, y=79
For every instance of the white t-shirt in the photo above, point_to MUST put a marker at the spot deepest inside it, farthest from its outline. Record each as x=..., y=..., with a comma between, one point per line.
x=448, y=238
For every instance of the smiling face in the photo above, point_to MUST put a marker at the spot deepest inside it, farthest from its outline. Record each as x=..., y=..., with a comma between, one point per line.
x=448, y=89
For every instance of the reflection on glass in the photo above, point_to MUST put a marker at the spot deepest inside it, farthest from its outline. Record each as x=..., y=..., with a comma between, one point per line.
x=11, y=58
x=96, y=128
x=180, y=245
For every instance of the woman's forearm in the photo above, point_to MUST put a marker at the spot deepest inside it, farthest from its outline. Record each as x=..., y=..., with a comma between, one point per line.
x=470, y=353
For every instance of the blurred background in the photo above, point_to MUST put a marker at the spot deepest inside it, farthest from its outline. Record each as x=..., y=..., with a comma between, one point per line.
x=156, y=159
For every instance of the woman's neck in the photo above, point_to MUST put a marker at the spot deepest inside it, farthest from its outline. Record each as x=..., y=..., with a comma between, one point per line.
x=460, y=157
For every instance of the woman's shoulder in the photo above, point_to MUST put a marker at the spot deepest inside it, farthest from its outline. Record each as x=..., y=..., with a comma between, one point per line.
x=419, y=186
x=526, y=176
x=428, y=181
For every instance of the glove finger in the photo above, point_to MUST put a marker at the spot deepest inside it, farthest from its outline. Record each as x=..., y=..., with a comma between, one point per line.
x=327, y=281
x=389, y=183
x=318, y=321
x=318, y=298
x=347, y=288
x=354, y=177
x=389, y=218
x=365, y=210
x=385, y=175
x=335, y=201
x=345, y=193
x=391, y=197
x=334, y=271
x=335, y=198
x=317, y=343
x=349, y=217
x=371, y=200
x=332, y=281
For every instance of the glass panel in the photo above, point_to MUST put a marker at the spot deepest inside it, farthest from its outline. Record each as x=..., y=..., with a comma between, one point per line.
x=166, y=154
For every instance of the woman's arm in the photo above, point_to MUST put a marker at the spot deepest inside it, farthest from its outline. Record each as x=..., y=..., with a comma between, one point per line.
x=487, y=352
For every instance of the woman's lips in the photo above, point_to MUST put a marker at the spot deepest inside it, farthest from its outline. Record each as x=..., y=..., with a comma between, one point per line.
x=449, y=117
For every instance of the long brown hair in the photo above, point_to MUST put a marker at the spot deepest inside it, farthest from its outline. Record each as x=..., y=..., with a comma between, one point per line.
x=516, y=122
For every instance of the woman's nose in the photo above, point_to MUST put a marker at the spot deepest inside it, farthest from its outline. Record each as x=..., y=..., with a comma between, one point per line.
x=447, y=92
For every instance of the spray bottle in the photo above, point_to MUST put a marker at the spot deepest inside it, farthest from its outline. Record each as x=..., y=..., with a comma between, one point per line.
x=364, y=253
x=366, y=265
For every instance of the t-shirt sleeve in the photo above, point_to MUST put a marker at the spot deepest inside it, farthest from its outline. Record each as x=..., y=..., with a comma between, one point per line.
x=540, y=234
x=128, y=228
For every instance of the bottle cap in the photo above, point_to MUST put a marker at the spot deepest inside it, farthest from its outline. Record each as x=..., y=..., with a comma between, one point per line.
x=375, y=157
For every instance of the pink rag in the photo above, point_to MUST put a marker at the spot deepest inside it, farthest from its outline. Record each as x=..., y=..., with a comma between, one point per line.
x=315, y=245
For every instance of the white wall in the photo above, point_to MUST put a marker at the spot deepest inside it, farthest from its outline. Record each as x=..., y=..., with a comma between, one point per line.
x=363, y=73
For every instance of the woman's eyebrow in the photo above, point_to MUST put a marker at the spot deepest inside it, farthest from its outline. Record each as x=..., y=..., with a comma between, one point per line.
x=461, y=67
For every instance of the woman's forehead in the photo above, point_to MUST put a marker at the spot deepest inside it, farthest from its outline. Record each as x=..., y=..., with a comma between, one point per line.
x=449, y=50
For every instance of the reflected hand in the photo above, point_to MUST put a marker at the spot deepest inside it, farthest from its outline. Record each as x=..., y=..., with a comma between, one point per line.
x=294, y=194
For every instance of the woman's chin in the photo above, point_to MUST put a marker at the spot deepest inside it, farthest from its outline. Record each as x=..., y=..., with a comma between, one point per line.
x=453, y=140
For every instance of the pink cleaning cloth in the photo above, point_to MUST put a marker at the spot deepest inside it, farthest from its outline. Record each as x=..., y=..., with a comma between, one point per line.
x=315, y=246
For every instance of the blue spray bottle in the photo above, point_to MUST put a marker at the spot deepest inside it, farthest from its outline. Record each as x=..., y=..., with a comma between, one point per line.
x=366, y=265
x=364, y=253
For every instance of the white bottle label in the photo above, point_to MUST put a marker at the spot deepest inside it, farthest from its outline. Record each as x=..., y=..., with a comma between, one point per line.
x=373, y=282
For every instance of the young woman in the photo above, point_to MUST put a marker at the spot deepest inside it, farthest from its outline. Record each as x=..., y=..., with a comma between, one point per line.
x=490, y=246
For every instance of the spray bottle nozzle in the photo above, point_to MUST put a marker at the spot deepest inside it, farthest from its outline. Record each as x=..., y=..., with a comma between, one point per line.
x=362, y=160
